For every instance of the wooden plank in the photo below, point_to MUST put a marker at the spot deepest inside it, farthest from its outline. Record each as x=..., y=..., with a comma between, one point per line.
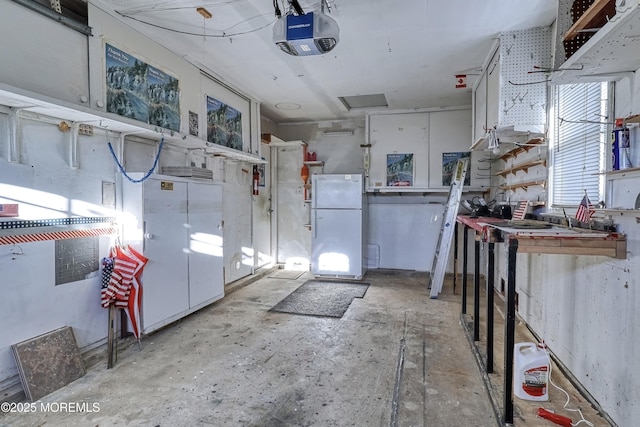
x=522, y=166
x=524, y=148
x=524, y=185
x=614, y=248
x=632, y=119
x=595, y=16
x=611, y=252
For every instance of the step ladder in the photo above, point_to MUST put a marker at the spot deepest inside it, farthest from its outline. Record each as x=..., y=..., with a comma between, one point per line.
x=443, y=247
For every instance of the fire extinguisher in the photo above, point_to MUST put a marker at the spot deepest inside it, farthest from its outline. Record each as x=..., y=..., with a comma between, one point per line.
x=256, y=179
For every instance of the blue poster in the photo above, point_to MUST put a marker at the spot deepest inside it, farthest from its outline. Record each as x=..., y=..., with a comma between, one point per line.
x=141, y=92
x=449, y=162
x=400, y=170
x=224, y=124
x=164, y=99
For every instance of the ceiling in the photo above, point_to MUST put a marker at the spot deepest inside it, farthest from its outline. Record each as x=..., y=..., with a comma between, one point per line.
x=410, y=51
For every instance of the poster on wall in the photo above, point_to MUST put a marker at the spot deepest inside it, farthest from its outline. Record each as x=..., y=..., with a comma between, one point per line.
x=193, y=123
x=449, y=162
x=141, y=92
x=164, y=101
x=224, y=124
x=400, y=170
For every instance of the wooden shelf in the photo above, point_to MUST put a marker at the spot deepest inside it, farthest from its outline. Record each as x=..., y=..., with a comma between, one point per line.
x=522, y=167
x=619, y=172
x=522, y=148
x=314, y=163
x=631, y=119
x=595, y=17
x=606, y=54
x=272, y=140
x=524, y=185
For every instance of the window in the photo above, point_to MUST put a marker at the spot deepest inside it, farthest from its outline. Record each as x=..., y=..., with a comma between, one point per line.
x=578, y=135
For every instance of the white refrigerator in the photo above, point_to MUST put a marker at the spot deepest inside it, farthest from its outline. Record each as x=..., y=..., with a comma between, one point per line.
x=338, y=220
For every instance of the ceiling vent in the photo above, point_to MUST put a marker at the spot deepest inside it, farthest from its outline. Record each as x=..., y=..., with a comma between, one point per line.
x=313, y=33
x=356, y=102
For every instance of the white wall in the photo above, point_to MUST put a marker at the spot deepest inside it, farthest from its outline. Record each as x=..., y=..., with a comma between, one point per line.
x=45, y=186
x=404, y=227
x=585, y=307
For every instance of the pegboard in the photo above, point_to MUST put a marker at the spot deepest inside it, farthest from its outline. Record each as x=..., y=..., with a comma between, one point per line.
x=569, y=11
x=523, y=95
x=76, y=259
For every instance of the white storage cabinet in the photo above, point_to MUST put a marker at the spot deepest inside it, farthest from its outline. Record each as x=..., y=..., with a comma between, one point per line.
x=177, y=224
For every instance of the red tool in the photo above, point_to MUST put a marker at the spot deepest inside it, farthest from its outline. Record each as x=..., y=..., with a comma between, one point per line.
x=558, y=419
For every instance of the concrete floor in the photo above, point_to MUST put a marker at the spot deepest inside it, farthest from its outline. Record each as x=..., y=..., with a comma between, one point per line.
x=396, y=358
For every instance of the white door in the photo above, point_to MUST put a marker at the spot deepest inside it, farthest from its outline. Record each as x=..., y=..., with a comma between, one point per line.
x=165, y=284
x=204, y=234
x=336, y=248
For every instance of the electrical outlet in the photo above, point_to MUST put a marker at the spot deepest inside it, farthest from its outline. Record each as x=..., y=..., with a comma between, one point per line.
x=85, y=130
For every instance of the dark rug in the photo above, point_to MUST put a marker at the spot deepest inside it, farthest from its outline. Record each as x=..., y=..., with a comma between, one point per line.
x=318, y=298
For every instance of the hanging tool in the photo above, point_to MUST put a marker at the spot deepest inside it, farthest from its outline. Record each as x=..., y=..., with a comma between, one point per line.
x=558, y=419
x=304, y=174
x=256, y=180
x=304, y=171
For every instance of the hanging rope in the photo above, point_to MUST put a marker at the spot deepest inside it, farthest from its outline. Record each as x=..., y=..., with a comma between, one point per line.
x=148, y=174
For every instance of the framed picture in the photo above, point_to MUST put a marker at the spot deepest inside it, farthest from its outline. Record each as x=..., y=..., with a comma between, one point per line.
x=193, y=123
x=400, y=170
x=224, y=124
x=449, y=162
x=140, y=91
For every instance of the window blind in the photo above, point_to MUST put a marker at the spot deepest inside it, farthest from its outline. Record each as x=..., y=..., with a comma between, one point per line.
x=578, y=138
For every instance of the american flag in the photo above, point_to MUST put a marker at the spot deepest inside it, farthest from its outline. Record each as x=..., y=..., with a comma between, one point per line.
x=585, y=210
x=121, y=285
x=9, y=210
x=521, y=210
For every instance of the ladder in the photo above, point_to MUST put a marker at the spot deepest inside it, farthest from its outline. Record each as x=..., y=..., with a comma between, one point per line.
x=443, y=247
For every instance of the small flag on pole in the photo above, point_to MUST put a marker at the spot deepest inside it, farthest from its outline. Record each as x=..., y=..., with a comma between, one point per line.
x=9, y=210
x=521, y=210
x=585, y=210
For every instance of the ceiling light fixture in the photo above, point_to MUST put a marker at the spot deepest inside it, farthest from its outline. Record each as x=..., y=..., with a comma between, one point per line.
x=338, y=132
x=288, y=106
x=204, y=12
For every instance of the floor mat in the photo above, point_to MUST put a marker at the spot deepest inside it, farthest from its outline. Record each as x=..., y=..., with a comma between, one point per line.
x=287, y=274
x=317, y=298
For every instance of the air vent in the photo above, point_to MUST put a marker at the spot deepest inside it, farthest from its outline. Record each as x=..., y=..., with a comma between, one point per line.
x=364, y=101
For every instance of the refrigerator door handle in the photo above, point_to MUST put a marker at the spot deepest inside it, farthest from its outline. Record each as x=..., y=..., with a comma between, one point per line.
x=314, y=222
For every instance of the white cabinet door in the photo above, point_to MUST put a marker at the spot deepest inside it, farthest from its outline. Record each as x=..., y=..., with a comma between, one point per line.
x=205, y=243
x=165, y=277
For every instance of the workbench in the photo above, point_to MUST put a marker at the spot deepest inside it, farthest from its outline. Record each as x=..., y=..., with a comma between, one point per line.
x=548, y=239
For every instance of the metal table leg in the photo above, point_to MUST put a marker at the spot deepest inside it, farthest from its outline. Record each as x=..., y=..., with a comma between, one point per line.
x=490, y=290
x=509, y=331
x=465, y=247
x=476, y=290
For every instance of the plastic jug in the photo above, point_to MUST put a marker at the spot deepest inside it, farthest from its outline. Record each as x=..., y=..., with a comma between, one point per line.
x=530, y=371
